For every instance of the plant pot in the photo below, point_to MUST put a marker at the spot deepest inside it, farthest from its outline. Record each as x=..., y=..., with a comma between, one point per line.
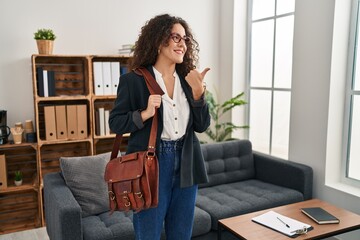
x=45, y=46
x=18, y=183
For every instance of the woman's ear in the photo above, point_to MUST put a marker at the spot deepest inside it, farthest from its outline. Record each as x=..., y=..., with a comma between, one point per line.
x=159, y=49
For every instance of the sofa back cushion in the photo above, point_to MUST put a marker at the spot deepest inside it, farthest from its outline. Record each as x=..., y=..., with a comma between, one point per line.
x=85, y=178
x=228, y=162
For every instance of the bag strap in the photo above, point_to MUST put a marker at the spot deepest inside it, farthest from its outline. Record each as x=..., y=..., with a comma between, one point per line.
x=154, y=88
x=151, y=83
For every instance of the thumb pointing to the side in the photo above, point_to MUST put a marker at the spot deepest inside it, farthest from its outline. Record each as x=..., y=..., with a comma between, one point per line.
x=203, y=73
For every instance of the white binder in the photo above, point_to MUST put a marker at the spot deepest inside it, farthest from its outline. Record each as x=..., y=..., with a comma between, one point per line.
x=106, y=122
x=102, y=121
x=106, y=71
x=46, y=83
x=115, y=76
x=98, y=78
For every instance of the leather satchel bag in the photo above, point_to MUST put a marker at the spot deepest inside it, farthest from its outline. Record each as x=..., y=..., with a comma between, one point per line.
x=133, y=179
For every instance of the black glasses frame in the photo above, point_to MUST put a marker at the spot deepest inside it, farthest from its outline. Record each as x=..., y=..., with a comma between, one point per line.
x=177, y=38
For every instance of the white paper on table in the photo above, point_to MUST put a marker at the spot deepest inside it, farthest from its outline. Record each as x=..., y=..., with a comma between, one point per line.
x=271, y=219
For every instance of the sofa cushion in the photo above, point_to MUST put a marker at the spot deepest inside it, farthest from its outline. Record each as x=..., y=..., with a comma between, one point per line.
x=119, y=225
x=108, y=227
x=202, y=222
x=238, y=198
x=228, y=162
x=85, y=178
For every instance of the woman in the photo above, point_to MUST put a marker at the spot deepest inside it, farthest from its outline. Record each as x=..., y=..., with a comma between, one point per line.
x=167, y=49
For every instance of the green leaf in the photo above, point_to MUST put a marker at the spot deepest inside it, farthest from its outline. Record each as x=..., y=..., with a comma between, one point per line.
x=44, y=34
x=221, y=131
x=233, y=102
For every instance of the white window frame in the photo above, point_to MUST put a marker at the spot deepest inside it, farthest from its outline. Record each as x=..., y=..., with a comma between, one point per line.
x=336, y=146
x=354, y=34
x=272, y=89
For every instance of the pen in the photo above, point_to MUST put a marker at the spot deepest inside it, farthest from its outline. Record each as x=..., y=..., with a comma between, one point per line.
x=287, y=225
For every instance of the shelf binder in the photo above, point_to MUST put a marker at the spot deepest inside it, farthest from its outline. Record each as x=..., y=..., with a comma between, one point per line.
x=3, y=172
x=51, y=83
x=71, y=117
x=50, y=123
x=115, y=77
x=97, y=124
x=40, y=81
x=98, y=78
x=45, y=83
x=61, y=126
x=102, y=121
x=82, y=121
x=106, y=122
x=106, y=70
x=123, y=70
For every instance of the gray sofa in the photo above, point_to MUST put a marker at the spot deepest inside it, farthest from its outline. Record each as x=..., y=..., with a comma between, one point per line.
x=241, y=181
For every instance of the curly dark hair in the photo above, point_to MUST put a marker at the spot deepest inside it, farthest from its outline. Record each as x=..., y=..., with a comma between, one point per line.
x=157, y=32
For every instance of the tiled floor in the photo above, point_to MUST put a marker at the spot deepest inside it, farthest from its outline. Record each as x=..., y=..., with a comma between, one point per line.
x=33, y=234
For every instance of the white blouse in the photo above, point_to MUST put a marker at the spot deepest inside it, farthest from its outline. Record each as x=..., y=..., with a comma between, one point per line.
x=176, y=111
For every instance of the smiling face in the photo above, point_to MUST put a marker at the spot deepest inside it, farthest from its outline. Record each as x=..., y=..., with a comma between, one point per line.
x=174, y=52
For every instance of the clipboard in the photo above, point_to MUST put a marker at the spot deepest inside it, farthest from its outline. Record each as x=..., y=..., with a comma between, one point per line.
x=282, y=224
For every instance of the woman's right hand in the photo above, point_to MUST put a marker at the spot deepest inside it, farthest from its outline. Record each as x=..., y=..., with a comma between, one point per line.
x=154, y=102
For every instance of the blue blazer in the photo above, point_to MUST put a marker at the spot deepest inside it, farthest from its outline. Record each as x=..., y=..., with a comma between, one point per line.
x=132, y=97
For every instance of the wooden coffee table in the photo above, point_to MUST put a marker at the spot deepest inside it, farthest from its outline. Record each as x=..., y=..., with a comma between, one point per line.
x=243, y=228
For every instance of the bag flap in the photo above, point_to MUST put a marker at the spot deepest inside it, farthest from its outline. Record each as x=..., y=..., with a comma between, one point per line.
x=126, y=167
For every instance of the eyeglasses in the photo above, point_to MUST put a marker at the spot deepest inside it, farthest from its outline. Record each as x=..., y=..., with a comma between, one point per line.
x=177, y=38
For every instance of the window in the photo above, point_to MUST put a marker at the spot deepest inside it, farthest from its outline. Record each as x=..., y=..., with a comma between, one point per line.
x=352, y=126
x=270, y=66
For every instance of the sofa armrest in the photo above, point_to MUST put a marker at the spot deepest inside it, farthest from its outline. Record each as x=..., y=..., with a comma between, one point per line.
x=284, y=173
x=62, y=211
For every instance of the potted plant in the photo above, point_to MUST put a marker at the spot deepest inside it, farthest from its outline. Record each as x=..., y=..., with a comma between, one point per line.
x=45, y=39
x=18, y=178
x=221, y=131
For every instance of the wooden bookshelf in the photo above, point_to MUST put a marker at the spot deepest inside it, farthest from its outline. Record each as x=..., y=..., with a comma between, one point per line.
x=72, y=76
x=19, y=205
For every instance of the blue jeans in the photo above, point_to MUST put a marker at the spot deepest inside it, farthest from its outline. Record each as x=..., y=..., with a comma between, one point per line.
x=176, y=205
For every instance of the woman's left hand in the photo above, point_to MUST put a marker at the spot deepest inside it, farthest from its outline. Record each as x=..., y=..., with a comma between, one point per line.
x=196, y=81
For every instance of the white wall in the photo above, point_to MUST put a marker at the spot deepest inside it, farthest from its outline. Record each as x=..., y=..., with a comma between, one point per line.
x=312, y=62
x=88, y=27
x=239, y=66
x=310, y=85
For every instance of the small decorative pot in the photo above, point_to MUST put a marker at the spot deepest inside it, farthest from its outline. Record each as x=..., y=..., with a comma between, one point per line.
x=18, y=183
x=45, y=46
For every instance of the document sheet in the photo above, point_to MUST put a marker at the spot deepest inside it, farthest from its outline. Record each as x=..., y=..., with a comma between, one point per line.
x=281, y=223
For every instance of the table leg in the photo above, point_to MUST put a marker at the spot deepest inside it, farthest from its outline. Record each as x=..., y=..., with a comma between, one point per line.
x=219, y=231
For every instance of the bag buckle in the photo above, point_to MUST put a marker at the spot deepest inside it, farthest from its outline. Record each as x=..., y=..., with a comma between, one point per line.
x=139, y=194
x=113, y=198
x=150, y=153
x=127, y=200
x=112, y=195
